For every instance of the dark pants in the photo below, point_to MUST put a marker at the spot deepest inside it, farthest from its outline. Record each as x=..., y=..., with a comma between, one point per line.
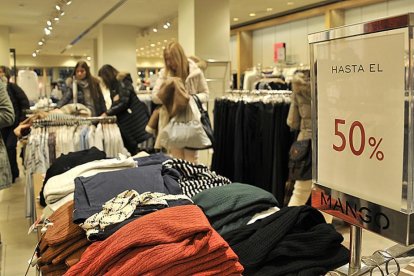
x=10, y=140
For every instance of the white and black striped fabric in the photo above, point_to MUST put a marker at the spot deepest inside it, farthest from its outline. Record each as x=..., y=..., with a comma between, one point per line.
x=195, y=177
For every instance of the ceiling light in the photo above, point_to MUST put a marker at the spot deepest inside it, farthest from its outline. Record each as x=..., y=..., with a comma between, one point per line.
x=155, y=30
x=37, y=51
x=43, y=39
x=62, y=13
x=165, y=41
x=88, y=58
x=142, y=48
x=165, y=26
x=57, y=7
x=163, y=47
x=152, y=45
x=252, y=14
x=49, y=23
x=69, y=2
x=34, y=54
x=269, y=9
x=290, y=3
x=159, y=43
x=235, y=19
x=56, y=18
x=40, y=43
x=50, y=27
x=168, y=23
x=47, y=31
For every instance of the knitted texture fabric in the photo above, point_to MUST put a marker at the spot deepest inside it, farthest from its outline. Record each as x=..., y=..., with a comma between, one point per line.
x=195, y=177
x=168, y=242
x=231, y=206
x=294, y=240
x=74, y=258
x=62, y=239
x=62, y=228
x=121, y=207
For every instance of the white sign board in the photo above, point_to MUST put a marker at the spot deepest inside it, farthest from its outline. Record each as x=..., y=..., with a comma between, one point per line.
x=360, y=99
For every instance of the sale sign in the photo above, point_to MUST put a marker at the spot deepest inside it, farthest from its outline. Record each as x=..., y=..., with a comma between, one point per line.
x=279, y=52
x=360, y=107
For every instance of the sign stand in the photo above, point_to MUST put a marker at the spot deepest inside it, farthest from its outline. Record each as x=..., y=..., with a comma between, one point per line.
x=363, y=133
x=355, y=249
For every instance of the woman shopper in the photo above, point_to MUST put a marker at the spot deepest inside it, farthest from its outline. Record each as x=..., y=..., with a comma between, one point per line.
x=6, y=120
x=132, y=114
x=178, y=65
x=20, y=103
x=89, y=92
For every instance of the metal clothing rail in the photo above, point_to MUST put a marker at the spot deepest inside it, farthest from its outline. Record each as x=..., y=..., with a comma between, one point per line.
x=65, y=121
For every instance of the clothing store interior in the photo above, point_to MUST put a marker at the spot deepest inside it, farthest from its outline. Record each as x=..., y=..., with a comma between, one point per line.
x=128, y=123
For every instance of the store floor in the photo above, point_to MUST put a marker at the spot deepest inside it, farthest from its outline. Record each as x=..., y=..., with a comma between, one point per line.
x=17, y=246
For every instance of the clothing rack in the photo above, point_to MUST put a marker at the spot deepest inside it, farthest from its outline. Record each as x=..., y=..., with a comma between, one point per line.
x=70, y=121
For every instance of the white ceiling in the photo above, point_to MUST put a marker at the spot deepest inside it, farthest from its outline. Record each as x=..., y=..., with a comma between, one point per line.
x=27, y=19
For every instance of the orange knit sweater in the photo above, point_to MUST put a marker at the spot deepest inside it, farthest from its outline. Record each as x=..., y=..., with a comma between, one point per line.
x=173, y=241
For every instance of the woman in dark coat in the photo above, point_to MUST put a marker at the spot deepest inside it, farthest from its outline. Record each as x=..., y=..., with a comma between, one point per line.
x=132, y=114
x=89, y=92
x=20, y=103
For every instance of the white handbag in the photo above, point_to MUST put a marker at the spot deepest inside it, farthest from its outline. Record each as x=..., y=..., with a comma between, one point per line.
x=185, y=130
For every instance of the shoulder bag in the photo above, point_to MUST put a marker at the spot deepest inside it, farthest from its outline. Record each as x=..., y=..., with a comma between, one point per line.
x=300, y=160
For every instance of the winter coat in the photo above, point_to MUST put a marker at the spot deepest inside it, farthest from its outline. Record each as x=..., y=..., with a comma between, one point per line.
x=99, y=103
x=20, y=103
x=299, y=117
x=195, y=83
x=6, y=119
x=132, y=114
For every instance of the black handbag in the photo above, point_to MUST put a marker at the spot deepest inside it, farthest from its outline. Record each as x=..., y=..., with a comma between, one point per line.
x=205, y=120
x=300, y=160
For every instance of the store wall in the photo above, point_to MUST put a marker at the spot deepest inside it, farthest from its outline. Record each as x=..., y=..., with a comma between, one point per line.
x=294, y=34
x=386, y=9
x=45, y=61
x=233, y=54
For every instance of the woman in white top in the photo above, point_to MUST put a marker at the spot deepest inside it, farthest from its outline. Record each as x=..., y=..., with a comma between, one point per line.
x=177, y=64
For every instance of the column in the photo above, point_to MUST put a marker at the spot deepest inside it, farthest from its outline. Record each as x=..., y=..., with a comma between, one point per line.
x=204, y=31
x=244, y=53
x=5, y=46
x=334, y=18
x=116, y=46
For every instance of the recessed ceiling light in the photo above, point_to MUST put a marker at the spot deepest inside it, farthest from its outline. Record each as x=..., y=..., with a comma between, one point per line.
x=47, y=31
x=290, y=3
x=152, y=45
x=69, y=2
x=165, y=41
x=49, y=23
x=34, y=54
x=142, y=48
x=40, y=43
x=252, y=14
x=57, y=7
x=235, y=19
x=155, y=30
x=88, y=58
x=269, y=9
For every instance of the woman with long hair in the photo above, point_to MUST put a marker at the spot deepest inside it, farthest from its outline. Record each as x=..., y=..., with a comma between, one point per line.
x=89, y=92
x=178, y=65
x=132, y=115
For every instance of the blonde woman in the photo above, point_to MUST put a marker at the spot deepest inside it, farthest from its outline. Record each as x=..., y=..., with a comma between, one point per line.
x=178, y=65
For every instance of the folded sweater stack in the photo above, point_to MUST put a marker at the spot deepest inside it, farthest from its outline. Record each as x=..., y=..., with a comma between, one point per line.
x=173, y=241
x=62, y=244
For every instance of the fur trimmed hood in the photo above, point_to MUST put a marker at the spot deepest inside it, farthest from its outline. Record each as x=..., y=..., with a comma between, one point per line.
x=301, y=85
x=121, y=76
